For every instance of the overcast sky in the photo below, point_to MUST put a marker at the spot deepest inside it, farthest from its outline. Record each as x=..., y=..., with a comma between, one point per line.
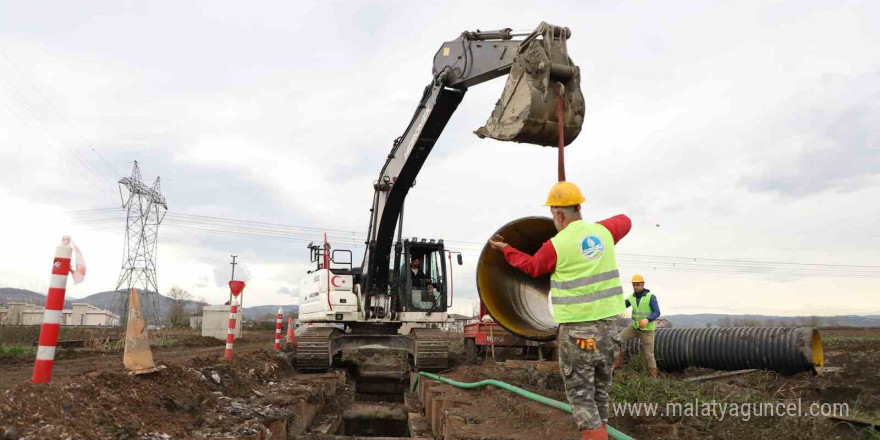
x=725, y=130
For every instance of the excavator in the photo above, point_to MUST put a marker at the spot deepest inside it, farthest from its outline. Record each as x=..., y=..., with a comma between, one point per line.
x=402, y=283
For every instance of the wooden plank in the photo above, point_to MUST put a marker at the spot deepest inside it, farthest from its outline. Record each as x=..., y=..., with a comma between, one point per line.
x=855, y=421
x=720, y=375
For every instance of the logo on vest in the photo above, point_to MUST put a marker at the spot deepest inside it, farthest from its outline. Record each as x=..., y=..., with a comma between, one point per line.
x=592, y=247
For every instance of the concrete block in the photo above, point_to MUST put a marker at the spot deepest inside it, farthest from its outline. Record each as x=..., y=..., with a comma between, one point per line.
x=277, y=429
x=418, y=425
x=451, y=425
x=437, y=415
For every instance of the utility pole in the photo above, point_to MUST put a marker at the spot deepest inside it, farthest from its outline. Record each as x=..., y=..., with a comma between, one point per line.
x=233, y=276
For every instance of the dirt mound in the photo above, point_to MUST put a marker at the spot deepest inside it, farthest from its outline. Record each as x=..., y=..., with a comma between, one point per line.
x=197, y=341
x=539, y=377
x=174, y=401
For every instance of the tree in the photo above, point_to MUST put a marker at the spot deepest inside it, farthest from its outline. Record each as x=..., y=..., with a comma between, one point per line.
x=177, y=315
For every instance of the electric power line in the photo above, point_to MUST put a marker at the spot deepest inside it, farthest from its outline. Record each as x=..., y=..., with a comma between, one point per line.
x=56, y=141
x=306, y=234
x=58, y=112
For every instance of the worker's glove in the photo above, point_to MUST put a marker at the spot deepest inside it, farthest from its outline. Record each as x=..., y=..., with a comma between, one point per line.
x=587, y=344
x=643, y=323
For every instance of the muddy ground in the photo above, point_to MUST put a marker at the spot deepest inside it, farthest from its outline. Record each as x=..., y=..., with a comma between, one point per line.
x=78, y=361
x=857, y=386
x=200, y=396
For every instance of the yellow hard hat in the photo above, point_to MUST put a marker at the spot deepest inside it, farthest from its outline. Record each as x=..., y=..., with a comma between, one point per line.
x=564, y=194
x=638, y=278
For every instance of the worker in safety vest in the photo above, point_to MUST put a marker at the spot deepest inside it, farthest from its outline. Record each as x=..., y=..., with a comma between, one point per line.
x=645, y=312
x=586, y=297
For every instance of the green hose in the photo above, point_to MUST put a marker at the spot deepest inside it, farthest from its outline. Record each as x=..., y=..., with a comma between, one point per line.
x=612, y=433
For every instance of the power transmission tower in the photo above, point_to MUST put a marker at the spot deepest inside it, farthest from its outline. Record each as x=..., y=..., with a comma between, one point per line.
x=145, y=209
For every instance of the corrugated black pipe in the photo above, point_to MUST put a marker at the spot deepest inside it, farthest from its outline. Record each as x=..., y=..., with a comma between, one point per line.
x=787, y=350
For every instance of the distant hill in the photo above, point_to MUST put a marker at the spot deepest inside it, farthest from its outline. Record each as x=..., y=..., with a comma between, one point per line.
x=106, y=300
x=257, y=312
x=103, y=300
x=721, y=320
x=10, y=294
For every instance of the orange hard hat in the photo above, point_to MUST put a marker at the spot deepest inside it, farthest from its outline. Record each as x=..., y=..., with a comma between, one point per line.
x=638, y=278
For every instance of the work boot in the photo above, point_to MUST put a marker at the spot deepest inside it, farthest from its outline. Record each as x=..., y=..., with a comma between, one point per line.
x=653, y=372
x=619, y=360
x=594, y=434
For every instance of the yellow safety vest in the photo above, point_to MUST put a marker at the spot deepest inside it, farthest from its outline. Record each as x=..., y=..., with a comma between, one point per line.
x=642, y=311
x=586, y=284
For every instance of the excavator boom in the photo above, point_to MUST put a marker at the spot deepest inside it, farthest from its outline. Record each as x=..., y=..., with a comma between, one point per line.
x=538, y=66
x=374, y=300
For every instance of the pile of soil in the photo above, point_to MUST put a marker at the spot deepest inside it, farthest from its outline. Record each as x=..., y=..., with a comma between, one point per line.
x=493, y=413
x=200, y=395
x=538, y=377
x=197, y=341
x=367, y=360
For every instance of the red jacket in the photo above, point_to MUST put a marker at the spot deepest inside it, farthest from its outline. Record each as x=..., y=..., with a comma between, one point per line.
x=544, y=261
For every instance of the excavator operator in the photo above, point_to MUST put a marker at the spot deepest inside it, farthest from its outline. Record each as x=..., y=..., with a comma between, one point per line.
x=586, y=297
x=420, y=282
x=418, y=276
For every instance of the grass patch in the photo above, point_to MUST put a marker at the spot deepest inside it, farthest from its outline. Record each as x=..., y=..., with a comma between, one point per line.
x=16, y=350
x=873, y=416
x=854, y=338
x=633, y=384
x=164, y=342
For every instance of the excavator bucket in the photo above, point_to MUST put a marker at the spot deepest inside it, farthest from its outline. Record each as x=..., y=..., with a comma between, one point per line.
x=526, y=111
x=138, y=358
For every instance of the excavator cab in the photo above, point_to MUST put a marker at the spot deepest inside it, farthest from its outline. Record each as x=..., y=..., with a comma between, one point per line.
x=422, y=288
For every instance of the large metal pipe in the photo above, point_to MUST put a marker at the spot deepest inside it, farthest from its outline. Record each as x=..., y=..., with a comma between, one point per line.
x=787, y=350
x=515, y=300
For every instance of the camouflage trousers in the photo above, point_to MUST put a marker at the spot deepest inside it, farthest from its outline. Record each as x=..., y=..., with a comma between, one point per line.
x=587, y=372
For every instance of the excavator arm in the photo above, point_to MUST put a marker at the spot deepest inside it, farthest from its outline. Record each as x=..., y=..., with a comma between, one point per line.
x=538, y=66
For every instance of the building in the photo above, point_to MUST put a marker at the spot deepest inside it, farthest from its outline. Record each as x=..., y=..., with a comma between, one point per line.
x=86, y=314
x=215, y=322
x=455, y=323
x=195, y=320
x=82, y=314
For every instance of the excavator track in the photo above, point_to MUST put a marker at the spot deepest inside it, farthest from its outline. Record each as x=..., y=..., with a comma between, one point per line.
x=431, y=349
x=313, y=348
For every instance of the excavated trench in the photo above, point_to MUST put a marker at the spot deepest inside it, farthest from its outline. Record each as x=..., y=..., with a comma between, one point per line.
x=377, y=405
x=373, y=420
x=378, y=375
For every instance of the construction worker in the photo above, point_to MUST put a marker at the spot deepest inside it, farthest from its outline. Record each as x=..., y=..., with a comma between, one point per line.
x=586, y=297
x=645, y=312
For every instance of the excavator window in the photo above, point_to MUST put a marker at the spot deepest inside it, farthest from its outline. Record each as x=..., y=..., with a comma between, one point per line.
x=425, y=274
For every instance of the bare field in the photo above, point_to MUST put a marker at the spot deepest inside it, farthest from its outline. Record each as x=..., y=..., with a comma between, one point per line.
x=855, y=390
x=91, y=391
x=102, y=355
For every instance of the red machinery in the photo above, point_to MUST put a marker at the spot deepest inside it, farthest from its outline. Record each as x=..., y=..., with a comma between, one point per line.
x=481, y=336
